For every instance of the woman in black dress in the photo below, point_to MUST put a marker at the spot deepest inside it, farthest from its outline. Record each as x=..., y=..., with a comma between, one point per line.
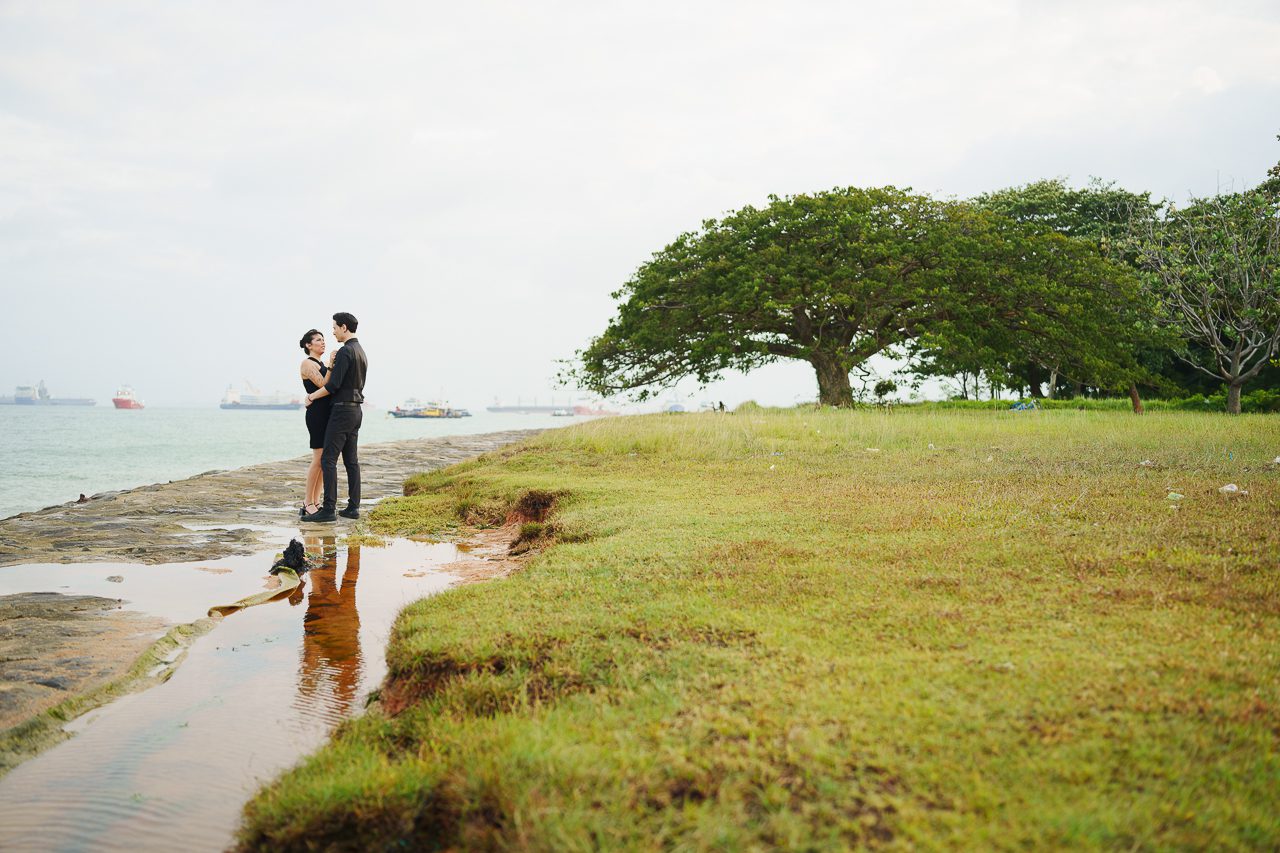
x=313, y=372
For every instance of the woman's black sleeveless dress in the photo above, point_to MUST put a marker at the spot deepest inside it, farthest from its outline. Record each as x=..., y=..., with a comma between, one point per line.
x=318, y=411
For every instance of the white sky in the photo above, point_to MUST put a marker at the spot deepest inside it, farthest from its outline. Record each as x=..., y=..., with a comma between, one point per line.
x=187, y=187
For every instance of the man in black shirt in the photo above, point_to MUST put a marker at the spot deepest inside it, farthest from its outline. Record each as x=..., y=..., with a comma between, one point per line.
x=346, y=385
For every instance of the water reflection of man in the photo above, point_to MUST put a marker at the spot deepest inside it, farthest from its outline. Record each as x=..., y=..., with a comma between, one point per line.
x=330, y=667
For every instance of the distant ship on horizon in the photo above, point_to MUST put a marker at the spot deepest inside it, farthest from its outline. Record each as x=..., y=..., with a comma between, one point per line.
x=126, y=399
x=559, y=409
x=253, y=399
x=414, y=408
x=38, y=395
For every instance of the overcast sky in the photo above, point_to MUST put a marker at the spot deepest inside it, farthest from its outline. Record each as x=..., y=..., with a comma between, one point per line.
x=187, y=187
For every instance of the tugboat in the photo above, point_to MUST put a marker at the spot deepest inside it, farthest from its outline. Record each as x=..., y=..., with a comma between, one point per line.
x=417, y=409
x=126, y=399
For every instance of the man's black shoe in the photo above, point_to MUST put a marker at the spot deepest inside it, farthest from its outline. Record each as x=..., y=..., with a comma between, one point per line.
x=349, y=513
x=321, y=514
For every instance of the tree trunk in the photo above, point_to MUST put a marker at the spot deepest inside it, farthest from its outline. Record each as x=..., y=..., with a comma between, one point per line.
x=1233, y=399
x=1135, y=399
x=1053, y=383
x=833, y=380
x=1035, y=376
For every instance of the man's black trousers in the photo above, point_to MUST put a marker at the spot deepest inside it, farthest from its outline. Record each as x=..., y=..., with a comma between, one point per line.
x=340, y=437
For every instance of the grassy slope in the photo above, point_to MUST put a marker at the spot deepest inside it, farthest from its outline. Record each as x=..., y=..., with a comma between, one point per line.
x=774, y=636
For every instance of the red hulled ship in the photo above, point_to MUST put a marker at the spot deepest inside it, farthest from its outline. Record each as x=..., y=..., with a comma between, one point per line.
x=126, y=399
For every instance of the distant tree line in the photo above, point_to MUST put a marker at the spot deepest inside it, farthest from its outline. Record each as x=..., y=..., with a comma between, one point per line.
x=1043, y=289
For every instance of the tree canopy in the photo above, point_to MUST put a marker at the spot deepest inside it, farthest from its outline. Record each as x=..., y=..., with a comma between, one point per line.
x=1094, y=331
x=1099, y=212
x=1271, y=186
x=836, y=277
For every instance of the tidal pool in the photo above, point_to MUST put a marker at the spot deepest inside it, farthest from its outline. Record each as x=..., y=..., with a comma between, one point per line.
x=171, y=767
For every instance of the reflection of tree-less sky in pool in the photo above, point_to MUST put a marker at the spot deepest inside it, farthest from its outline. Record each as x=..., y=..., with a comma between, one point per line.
x=170, y=768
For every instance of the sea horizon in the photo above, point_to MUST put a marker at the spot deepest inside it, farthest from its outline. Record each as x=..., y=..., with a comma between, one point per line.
x=56, y=453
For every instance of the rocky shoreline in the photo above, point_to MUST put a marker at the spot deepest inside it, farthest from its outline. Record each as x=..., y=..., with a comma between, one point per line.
x=61, y=654
x=214, y=514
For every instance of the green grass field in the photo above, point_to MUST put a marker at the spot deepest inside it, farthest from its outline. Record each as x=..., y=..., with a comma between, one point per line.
x=823, y=629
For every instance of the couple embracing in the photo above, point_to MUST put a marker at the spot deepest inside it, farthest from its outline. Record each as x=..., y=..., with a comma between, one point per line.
x=335, y=391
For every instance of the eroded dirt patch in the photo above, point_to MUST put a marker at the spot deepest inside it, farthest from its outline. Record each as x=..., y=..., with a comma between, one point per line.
x=487, y=555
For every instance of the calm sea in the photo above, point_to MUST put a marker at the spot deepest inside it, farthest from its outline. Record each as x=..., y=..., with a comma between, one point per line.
x=50, y=454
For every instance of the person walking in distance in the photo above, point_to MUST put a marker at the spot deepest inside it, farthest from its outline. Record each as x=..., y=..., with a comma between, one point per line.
x=346, y=385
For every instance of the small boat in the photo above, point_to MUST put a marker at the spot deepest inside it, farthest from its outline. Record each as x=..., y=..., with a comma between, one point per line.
x=562, y=413
x=126, y=399
x=413, y=408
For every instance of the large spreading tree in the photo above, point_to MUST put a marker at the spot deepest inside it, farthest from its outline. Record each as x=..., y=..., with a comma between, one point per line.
x=835, y=278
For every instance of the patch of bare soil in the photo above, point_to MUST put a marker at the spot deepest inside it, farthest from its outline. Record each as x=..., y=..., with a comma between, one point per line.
x=487, y=555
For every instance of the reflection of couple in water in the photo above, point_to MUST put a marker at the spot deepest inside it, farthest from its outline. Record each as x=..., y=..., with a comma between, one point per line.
x=335, y=391
x=331, y=661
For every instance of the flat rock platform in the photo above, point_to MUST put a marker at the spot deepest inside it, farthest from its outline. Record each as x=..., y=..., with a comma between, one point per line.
x=214, y=514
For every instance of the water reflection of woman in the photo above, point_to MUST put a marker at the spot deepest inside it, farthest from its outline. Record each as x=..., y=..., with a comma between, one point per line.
x=331, y=659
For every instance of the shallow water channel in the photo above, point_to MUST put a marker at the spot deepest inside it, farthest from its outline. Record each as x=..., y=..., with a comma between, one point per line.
x=172, y=766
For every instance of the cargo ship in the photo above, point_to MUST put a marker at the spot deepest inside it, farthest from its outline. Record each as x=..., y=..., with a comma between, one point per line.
x=253, y=400
x=417, y=409
x=38, y=395
x=126, y=399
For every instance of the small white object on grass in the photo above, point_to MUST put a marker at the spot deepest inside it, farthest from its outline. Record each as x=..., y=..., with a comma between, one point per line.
x=1174, y=496
x=931, y=447
x=1232, y=490
x=1146, y=463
